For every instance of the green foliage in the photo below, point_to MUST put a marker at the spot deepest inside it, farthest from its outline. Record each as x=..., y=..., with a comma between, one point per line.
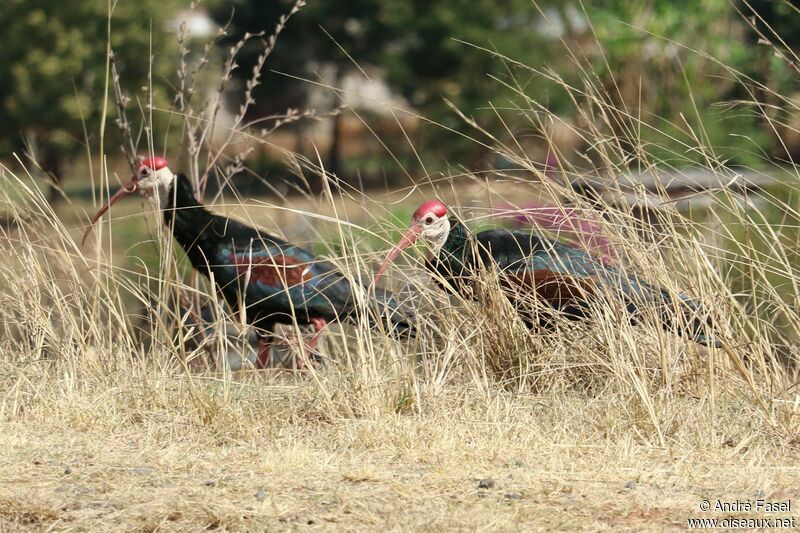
x=303, y=48
x=683, y=69
x=435, y=57
x=53, y=61
x=416, y=45
x=675, y=67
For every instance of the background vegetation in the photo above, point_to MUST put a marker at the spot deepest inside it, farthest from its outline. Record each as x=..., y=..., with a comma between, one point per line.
x=674, y=67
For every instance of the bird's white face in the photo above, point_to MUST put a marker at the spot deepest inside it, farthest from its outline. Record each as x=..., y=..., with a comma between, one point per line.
x=154, y=184
x=153, y=179
x=434, y=229
x=430, y=223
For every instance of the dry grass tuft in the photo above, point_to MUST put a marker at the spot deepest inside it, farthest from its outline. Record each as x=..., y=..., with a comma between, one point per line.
x=23, y=511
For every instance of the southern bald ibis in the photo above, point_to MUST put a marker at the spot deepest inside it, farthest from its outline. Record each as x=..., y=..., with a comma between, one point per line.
x=275, y=281
x=566, y=278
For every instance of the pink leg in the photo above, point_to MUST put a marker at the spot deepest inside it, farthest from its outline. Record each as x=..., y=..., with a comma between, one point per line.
x=319, y=325
x=264, y=345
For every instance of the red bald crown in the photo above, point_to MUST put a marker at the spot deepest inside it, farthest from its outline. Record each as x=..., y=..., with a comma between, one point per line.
x=154, y=163
x=433, y=206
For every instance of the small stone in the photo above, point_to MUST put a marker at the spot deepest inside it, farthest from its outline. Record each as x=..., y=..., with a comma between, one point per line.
x=779, y=495
x=512, y=496
x=67, y=471
x=261, y=495
x=209, y=483
x=487, y=483
x=630, y=485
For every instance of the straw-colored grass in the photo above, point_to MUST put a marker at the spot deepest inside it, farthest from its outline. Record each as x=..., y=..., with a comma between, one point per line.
x=135, y=451
x=600, y=425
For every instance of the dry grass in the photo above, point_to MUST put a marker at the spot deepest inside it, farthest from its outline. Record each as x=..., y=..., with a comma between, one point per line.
x=584, y=429
x=601, y=425
x=145, y=448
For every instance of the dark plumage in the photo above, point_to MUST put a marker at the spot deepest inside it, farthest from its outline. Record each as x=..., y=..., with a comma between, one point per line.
x=566, y=278
x=276, y=281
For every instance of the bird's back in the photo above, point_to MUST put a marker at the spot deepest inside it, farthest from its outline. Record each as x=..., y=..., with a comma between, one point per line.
x=276, y=280
x=567, y=277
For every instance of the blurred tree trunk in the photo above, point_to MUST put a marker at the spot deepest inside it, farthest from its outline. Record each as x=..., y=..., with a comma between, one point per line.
x=334, y=155
x=52, y=164
x=48, y=164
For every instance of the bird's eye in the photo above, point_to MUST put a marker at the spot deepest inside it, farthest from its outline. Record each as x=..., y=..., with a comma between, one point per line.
x=429, y=220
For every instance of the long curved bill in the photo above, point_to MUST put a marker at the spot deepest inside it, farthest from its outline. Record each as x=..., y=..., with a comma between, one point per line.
x=409, y=237
x=130, y=188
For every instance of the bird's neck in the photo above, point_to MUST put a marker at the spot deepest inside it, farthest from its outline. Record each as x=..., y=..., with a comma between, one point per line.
x=180, y=196
x=187, y=217
x=457, y=239
x=454, y=261
x=455, y=257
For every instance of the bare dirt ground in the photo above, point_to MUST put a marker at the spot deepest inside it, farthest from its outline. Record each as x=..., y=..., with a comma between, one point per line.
x=257, y=455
